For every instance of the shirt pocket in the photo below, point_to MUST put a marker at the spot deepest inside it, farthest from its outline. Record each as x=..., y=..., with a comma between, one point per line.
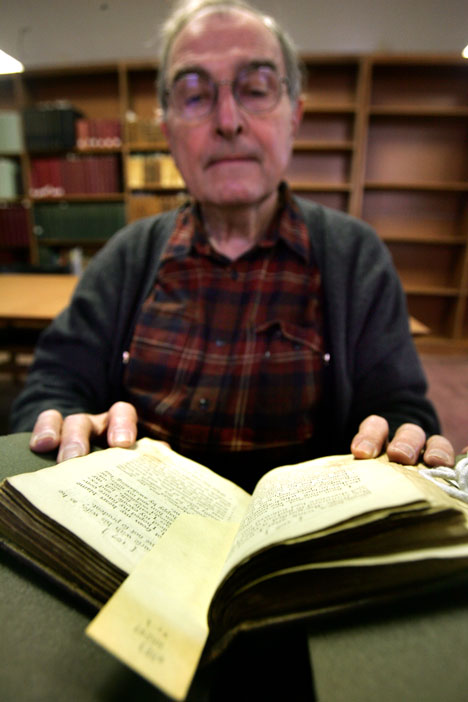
x=289, y=373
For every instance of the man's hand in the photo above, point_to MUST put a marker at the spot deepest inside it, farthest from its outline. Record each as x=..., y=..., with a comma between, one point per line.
x=72, y=434
x=406, y=445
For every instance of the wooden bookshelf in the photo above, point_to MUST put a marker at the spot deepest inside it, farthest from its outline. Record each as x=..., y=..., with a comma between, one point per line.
x=415, y=189
x=383, y=138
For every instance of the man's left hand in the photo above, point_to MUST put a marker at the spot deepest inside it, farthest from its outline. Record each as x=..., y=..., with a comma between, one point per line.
x=405, y=447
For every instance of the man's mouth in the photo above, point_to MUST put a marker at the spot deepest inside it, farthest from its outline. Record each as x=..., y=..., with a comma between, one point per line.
x=231, y=159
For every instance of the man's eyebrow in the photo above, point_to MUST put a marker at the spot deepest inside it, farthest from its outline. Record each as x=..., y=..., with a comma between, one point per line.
x=186, y=70
x=248, y=65
x=260, y=63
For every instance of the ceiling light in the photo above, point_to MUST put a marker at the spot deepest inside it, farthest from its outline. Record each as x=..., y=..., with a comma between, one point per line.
x=8, y=64
x=465, y=52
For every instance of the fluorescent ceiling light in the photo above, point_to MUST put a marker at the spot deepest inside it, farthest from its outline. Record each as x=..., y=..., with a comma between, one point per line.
x=8, y=64
x=465, y=52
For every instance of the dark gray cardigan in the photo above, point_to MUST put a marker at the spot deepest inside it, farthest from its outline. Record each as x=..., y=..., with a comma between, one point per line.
x=372, y=368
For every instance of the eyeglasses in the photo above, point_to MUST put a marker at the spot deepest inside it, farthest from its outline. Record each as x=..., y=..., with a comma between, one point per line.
x=193, y=95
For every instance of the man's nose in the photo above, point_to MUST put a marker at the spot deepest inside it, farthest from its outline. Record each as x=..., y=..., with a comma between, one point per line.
x=228, y=115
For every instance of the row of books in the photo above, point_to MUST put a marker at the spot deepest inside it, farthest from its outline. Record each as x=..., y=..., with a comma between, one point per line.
x=76, y=222
x=56, y=176
x=14, y=227
x=11, y=134
x=59, y=126
x=80, y=221
x=153, y=170
x=98, y=133
x=9, y=178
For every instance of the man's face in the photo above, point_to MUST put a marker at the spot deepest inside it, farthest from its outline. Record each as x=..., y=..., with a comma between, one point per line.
x=230, y=157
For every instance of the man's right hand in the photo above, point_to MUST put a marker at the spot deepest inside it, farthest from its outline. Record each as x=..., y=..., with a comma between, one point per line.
x=72, y=435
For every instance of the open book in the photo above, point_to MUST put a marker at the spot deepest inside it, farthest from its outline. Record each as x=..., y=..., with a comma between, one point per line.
x=208, y=560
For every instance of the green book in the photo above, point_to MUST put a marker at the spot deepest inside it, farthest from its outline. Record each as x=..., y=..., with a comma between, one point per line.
x=8, y=178
x=11, y=137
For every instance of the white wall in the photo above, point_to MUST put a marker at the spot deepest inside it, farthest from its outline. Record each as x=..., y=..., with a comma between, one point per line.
x=50, y=32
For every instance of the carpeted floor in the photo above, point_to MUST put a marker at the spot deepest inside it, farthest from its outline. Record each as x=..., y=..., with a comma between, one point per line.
x=448, y=388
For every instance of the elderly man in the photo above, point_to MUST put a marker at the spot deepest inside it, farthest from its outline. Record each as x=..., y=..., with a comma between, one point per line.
x=251, y=328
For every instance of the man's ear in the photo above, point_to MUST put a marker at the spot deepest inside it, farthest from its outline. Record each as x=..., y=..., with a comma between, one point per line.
x=296, y=118
x=161, y=117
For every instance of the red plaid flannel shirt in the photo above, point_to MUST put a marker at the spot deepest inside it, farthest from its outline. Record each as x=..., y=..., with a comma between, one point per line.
x=227, y=355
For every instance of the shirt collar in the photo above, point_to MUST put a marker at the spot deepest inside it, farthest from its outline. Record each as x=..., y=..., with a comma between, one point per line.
x=288, y=225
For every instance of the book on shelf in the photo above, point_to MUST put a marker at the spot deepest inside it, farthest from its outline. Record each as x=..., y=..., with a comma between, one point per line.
x=153, y=170
x=11, y=134
x=73, y=221
x=144, y=131
x=98, y=133
x=198, y=560
x=50, y=125
x=14, y=227
x=9, y=178
x=146, y=204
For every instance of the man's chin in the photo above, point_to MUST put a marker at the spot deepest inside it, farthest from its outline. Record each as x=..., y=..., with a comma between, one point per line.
x=235, y=197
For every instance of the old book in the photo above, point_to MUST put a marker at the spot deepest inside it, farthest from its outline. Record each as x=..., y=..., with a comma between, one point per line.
x=317, y=536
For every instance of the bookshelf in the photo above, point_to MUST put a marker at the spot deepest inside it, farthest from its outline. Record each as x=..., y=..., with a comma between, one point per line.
x=325, y=150
x=415, y=187
x=384, y=138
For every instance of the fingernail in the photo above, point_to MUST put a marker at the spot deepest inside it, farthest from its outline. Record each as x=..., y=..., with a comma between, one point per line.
x=42, y=437
x=439, y=458
x=72, y=451
x=122, y=437
x=366, y=449
x=405, y=449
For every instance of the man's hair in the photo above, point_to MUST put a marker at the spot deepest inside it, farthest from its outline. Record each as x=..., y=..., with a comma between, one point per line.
x=186, y=10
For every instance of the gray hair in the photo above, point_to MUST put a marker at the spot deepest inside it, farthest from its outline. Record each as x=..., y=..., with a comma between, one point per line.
x=186, y=10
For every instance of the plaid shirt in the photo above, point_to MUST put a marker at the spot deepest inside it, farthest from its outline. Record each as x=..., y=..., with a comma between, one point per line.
x=227, y=355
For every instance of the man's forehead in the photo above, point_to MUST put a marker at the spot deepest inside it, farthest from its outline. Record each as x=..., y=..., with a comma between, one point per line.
x=236, y=37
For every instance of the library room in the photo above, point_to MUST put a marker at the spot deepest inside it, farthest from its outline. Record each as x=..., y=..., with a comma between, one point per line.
x=330, y=141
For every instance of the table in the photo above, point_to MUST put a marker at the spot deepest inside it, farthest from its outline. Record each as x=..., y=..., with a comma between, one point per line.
x=407, y=654
x=28, y=303
x=34, y=297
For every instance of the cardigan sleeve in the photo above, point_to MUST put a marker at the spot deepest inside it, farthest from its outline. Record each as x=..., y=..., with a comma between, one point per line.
x=78, y=365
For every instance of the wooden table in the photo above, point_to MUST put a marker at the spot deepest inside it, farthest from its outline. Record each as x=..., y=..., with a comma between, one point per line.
x=28, y=303
x=34, y=298
x=411, y=653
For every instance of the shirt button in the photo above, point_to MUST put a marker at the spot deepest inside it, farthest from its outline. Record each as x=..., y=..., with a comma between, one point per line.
x=219, y=342
x=267, y=354
x=203, y=403
x=234, y=274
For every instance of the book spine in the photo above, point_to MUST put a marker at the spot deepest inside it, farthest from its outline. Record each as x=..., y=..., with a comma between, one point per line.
x=13, y=227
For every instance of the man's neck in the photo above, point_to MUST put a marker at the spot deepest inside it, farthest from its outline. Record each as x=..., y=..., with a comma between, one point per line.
x=234, y=230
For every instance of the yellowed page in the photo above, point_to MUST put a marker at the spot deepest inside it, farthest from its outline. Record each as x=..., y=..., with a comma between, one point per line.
x=156, y=622
x=294, y=500
x=121, y=501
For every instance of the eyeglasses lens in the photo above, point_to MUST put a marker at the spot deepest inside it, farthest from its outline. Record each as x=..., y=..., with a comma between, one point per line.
x=193, y=95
